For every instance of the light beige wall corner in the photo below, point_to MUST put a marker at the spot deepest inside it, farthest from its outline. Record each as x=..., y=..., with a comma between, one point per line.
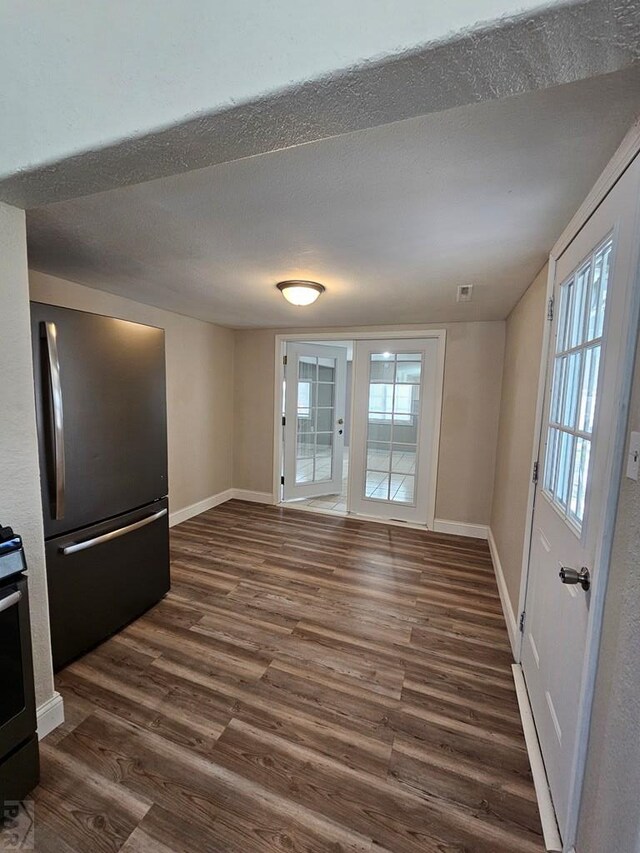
x=20, y=504
x=609, y=816
x=199, y=359
x=472, y=382
x=523, y=348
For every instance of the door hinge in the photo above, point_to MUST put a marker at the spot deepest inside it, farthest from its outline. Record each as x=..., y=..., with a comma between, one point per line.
x=282, y=480
x=522, y=618
x=284, y=421
x=550, y=304
x=534, y=476
x=284, y=360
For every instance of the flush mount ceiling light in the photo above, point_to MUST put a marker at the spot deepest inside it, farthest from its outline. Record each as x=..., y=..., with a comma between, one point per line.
x=299, y=292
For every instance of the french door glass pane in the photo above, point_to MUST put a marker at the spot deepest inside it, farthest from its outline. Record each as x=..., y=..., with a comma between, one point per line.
x=575, y=329
x=589, y=388
x=392, y=426
x=378, y=455
x=408, y=371
x=326, y=391
x=315, y=419
x=402, y=488
x=307, y=367
x=404, y=459
x=551, y=458
x=380, y=399
x=376, y=486
x=324, y=419
x=382, y=369
x=579, y=480
x=598, y=296
x=571, y=389
x=559, y=369
x=565, y=459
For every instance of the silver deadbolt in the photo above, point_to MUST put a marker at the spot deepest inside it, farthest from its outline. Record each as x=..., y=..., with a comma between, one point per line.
x=340, y=420
x=572, y=576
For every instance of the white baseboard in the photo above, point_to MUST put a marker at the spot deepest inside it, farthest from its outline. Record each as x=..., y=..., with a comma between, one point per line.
x=50, y=715
x=552, y=840
x=188, y=512
x=507, y=608
x=253, y=497
x=460, y=528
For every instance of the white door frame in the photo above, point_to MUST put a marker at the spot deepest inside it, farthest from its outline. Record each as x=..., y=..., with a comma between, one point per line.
x=344, y=335
x=626, y=153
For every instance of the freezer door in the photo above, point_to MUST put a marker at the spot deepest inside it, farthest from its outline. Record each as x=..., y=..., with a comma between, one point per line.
x=102, y=577
x=101, y=409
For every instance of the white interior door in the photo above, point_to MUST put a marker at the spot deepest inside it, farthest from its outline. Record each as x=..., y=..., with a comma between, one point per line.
x=594, y=278
x=394, y=435
x=315, y=389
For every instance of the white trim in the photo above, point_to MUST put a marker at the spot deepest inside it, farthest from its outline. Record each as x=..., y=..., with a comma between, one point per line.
x=50, y=715
x=188, y=512
x=192, y=510
x=460, y=528
x=507, y=607
x=552, y=840
x=535, y=453
x=252, y=497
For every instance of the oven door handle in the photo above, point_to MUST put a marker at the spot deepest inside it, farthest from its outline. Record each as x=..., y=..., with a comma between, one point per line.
x=113, y=534
x=10, y=600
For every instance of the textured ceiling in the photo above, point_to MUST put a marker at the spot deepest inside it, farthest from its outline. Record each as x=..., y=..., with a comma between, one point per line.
x=124, y=121
x=390, y=219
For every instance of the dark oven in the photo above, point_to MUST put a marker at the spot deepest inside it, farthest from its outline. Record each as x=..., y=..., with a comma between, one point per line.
x=18, y=739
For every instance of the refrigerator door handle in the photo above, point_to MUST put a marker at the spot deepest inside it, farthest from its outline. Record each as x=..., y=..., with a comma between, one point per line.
x=113, y=534
x=51, y=337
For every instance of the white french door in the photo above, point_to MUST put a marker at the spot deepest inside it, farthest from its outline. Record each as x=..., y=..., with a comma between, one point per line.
x=394, y=436
x=592, y=294
x=315, y=389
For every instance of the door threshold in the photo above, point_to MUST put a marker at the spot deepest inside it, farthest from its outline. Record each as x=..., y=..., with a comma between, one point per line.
x=390, y=522
x=552, y=840
x=317, y=509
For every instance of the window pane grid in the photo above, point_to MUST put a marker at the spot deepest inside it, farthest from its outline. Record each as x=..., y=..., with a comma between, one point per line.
x=315, y=417
x=572, y=399
x=394, y=386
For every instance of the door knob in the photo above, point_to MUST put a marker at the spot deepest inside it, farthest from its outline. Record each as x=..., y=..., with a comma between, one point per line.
x=572, y=576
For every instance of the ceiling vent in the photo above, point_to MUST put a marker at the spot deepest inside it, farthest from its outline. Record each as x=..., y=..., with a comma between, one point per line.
x=465, y=292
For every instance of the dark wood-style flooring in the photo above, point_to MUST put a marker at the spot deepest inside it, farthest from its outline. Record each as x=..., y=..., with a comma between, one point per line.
x=311, y=683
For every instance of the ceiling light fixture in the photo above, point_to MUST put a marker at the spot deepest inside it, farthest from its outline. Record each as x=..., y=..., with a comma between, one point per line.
x=299, y=292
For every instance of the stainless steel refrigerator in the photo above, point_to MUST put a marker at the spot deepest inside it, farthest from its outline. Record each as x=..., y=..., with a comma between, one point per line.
x=102, y=435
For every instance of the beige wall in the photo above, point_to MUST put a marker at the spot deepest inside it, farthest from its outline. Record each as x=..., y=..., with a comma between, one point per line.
x=199, y=386
x=610, y=815
x=523, y=348
x=472, y=382
x=20, y=504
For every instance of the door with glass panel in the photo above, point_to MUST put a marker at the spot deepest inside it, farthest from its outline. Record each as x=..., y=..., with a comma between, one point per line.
x=394, y=421
x=594, y=279
x=315, y=389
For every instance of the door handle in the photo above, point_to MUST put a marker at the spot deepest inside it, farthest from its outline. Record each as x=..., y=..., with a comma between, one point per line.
x=572, y=576
x=51, y=338
x=113, y=534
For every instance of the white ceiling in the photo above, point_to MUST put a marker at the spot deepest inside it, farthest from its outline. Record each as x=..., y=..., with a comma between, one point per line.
x=390, y=219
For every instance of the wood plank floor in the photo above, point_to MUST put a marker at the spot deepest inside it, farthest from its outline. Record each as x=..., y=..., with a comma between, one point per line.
x=311, y=683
